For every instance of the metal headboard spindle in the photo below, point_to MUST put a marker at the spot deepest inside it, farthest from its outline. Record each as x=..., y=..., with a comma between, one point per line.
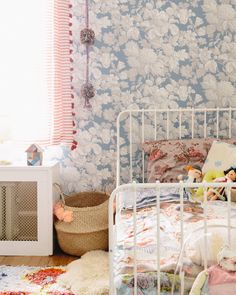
x=135, y=240
x=155, y=125
x=143, y=136
x=230, y=122
x=193, y=118
x=158, y=205
x=180, y=124
x=130, y=146
x=229, y=215
x=205, y=123
x=167, y=124
x=205, y=225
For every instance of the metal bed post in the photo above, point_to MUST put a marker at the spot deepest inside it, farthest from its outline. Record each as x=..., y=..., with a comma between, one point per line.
x=143, y=165
x=205, y=223
x=181, y=193
x=112, y=290
x=158, y=236
x=217, y=123
x=205, y=123
x=229, y=213
x=167, y=124
x=155, y=125
x=118, y=150
x=134, y=189
x=180, y=124
x=130, y=146
x=192, y=125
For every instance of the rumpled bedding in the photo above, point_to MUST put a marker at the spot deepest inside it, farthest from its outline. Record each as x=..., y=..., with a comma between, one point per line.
x=170, y=242
x=218, y=281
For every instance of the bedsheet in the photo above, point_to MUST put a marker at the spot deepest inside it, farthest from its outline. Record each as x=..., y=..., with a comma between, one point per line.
x=170, y=242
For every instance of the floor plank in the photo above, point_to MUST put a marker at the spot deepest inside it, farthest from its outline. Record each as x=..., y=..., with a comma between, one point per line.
x=59, y=258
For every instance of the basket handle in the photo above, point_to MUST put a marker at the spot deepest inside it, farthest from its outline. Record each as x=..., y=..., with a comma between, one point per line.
x=59, y=190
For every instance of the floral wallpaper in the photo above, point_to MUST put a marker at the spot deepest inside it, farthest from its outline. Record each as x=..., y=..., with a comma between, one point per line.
x=158, y=53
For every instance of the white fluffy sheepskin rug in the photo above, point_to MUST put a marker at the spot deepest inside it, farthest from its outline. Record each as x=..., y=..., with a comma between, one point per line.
x=88, y=275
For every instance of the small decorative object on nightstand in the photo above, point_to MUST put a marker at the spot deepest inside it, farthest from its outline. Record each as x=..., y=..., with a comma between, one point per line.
x=34, y=155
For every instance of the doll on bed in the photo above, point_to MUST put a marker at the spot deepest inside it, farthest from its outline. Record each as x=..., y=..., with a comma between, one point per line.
x=219, y=193
x=194, y=175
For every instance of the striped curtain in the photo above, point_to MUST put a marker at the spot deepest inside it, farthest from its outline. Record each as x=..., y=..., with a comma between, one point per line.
x=35, y=89
x=62, y=128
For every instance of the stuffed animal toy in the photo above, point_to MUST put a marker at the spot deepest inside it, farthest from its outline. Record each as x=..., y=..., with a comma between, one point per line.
x=62, y=214
x=219, y=276
x=226, y=258
x=194, y=175
x=219, y=193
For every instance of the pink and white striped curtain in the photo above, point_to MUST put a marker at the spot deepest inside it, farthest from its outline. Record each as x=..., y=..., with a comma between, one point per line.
x=60, y=74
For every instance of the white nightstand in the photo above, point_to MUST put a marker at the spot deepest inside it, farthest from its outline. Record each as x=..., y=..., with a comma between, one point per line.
x=26, y=209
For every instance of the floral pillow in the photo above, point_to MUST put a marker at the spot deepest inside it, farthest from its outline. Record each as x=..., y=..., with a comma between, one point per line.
x=168, y=158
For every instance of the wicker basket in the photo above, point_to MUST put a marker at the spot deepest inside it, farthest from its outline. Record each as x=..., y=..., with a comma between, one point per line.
x=89, y=228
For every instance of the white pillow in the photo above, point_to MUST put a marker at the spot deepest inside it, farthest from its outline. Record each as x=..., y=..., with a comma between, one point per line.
x=221, y=156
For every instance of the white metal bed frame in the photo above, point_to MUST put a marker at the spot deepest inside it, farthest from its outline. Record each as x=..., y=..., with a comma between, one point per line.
x=133, y=186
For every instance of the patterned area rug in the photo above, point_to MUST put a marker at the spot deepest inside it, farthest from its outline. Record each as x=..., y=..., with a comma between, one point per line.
x=24, y=280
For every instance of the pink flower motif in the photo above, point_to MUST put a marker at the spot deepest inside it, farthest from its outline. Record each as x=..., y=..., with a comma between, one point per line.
x=194, y=153
x=68, y=216
x=156, y=154
x=163, y=169
x=181, y=158
x=59, y=213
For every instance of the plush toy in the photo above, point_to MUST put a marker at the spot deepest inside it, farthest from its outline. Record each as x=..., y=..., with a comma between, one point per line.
x=219, y=193
x=226, y=258
x=194, y=175
x=62, y=214
x=223, y=273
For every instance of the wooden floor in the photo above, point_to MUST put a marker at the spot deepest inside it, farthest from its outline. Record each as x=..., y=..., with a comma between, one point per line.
x=59, y=258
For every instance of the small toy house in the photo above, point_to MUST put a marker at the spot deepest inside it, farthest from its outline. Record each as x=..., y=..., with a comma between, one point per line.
x=34, y=155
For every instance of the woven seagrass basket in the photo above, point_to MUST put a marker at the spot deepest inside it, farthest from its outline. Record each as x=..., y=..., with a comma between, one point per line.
x=89, y=228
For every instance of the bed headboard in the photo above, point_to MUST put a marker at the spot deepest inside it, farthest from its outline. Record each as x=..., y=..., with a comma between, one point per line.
x=136, y=126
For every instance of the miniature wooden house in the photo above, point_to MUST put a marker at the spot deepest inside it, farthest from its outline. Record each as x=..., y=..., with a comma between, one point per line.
x=34, y=155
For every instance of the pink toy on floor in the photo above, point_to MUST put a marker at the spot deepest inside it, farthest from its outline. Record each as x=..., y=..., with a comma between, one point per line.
x=61, y=213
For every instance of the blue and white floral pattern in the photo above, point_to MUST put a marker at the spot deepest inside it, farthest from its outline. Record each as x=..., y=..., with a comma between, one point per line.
x=164, y=53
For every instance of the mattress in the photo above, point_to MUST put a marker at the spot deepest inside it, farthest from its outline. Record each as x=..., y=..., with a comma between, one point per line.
x=170, y=241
